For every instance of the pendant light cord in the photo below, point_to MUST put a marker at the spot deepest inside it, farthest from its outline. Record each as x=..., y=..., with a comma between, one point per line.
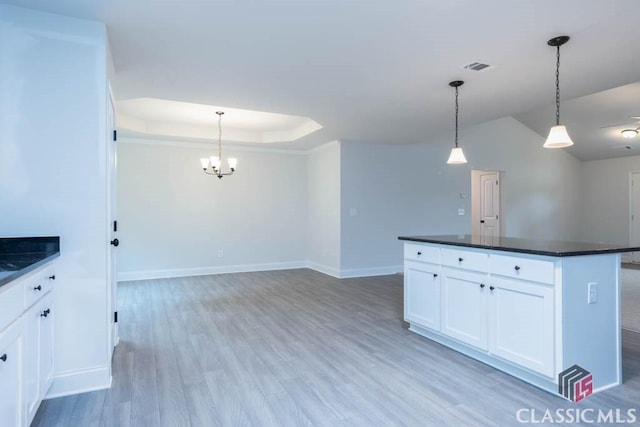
x=558, y=85
x=220, y=137
x=456, y=116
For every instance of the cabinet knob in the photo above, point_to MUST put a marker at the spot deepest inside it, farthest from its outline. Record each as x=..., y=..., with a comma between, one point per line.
x=37, y=288
x=460, y=259
x=491, y=288
x=45, y=313
x=517, y=268
x=419, y=253
x=435, y=274
x=4, y=357
x=52, y=277
x=115, y=242
x=482, y=285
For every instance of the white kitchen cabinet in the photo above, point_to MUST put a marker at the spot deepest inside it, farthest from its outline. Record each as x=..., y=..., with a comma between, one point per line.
x=26, y=346
x=11, y=363
x=464, y=307
x=521, y=322
x=422, y=294
x=527, y=312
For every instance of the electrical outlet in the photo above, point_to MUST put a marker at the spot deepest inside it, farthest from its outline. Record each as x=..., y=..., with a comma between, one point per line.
x=592, y=293
x=220, y=253
x=461, y=211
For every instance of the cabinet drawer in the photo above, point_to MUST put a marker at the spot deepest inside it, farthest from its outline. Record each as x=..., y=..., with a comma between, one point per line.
x=37, y=285
x=11, y=303
x=536, y=270
x=470, y=260
x=424, y=253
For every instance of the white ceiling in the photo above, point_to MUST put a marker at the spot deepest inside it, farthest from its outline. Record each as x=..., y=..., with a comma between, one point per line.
x=371, y=70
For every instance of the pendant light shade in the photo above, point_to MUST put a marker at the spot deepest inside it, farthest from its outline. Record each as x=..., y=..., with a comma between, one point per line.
x=558, y=138
x=457, y=156
x=558, y=135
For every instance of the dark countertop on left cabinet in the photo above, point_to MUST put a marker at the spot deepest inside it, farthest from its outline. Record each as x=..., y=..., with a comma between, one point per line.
x=20, y=255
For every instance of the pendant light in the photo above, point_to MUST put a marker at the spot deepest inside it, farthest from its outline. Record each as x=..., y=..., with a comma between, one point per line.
x=558, y=136
x=216, y=161
x=457, y=156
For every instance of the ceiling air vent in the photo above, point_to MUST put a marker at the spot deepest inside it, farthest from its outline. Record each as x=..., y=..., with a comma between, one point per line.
x=477, y=66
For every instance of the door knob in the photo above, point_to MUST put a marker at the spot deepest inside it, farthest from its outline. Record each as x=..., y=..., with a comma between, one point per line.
x=482, y=221
x=4, y=357
x=115, y=242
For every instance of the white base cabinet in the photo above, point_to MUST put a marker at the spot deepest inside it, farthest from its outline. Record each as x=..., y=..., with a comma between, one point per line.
x=528, y=315
x=26, y=346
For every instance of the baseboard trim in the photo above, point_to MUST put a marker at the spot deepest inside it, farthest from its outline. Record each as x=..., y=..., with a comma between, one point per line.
x=83, y=381
x=205, y=271
x=320, y=268
x=246, y=268
x=367, y=272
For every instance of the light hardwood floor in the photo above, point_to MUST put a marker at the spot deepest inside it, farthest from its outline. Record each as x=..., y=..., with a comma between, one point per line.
x=298, y=348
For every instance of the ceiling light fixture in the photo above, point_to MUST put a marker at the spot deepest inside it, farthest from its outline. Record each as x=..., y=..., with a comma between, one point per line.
x=629, y=133
x=457, y=156
x=558, y=136
x=215, y=161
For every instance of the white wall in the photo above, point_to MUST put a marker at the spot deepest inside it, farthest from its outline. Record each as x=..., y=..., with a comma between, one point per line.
x=323, y=207
x=410, y=190
x=173, y=219
x=53, y=166
x=605, y=199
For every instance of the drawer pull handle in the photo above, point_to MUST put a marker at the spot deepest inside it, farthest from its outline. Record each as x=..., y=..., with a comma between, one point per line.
x=482, y=285
x=45, y=313
x=419, y=253
x=435, y=275
x=4, y=357
x=517, y=268
x=52, y=277
x=460, y=259
x=37, y=288
x=491, y=288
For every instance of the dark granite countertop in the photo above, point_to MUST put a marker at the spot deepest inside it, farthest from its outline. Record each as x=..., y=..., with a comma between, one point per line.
x=20, y=255
x=556, y=248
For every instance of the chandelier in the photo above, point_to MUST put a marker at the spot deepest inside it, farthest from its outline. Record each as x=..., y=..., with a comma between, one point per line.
x=213, y=164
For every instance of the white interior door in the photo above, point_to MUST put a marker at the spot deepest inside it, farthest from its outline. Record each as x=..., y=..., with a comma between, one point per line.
x=486, y=217
x=634, y=214
x=113, y=223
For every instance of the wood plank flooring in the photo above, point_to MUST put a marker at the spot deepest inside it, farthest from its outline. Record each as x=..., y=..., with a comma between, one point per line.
x=298, y=348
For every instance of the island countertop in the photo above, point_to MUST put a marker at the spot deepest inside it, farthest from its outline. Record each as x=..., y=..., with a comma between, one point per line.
x=555, y=248
x=20, y=255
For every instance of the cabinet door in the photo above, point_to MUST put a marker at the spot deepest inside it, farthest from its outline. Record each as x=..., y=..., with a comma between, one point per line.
x=464, y=307
x=422, y=294
x=11, y=349
x=31, y=351
x=521, y=324
x=46, y=346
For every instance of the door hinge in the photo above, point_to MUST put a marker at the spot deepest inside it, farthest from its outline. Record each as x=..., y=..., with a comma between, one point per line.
x=496, y=216
x=115, y=317
x=115, y=135
x=496, y=182
x=115, y=226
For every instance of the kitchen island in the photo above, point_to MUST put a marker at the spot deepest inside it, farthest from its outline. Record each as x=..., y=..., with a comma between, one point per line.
x=531, y=308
